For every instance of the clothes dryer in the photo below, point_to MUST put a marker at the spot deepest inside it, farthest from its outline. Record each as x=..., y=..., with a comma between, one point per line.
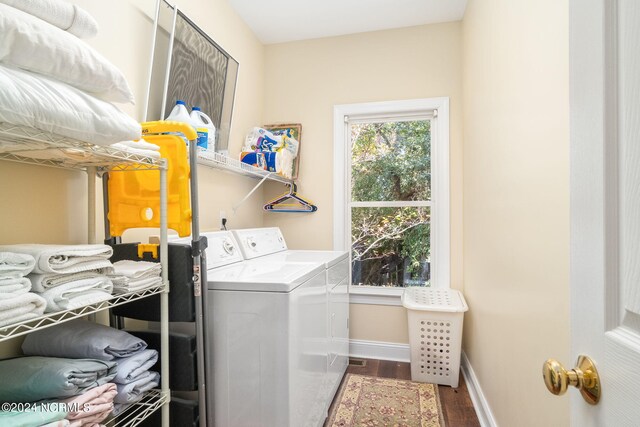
x=266, y=332
x=257, y=240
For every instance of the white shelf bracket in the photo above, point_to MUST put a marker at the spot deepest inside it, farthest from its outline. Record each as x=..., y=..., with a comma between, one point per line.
x=235, y=208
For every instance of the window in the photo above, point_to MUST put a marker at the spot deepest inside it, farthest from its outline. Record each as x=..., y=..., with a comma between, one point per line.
x=390, y=201
x=391, y=193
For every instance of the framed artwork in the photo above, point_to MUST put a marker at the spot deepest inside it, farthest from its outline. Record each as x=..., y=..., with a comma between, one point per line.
x=295, y=131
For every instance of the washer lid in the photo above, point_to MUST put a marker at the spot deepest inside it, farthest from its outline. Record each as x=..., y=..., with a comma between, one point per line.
x=328, y=258
x=262, y=276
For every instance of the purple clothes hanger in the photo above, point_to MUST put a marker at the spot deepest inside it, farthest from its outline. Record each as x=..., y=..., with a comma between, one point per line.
x=290, y=202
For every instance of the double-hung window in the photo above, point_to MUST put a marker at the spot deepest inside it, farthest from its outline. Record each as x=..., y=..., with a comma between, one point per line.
x=391, y=193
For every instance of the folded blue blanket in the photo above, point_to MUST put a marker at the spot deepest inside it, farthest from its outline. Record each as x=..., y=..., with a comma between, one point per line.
x=82, y=339
x=130, y=368
x=29, y=379
x=134, y=391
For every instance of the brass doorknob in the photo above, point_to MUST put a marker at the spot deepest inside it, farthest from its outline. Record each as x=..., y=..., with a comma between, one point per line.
x=584, y=377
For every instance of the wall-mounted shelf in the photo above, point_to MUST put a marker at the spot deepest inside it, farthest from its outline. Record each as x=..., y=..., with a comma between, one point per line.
x=33, y=146
x=218, y=161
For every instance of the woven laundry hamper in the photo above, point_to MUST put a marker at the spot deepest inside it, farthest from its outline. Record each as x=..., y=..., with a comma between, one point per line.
x=435, y=333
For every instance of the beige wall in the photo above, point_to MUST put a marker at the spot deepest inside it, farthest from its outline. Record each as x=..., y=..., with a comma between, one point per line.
x=516, y=220
x=382, y=323
x=305, y=79
x=49, y=205
x=516, y=203
x=125, y=38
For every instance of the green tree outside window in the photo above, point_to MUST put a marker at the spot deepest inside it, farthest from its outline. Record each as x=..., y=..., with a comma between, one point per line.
x=391, y=161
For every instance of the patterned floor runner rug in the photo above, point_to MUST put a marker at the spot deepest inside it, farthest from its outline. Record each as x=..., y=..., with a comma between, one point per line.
x=385, y=402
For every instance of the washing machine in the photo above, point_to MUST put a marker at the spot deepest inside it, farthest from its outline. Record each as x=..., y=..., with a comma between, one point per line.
x=267, y=339
x=336, y=265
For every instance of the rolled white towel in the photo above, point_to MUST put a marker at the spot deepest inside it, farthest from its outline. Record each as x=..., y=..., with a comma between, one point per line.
x=12, y=287
x=136, y=269
x=123, y=285
x=63, y=15
x=44, y=282
x=65, y=258
x=78, y=294
x=23, y=307
x=14, y=264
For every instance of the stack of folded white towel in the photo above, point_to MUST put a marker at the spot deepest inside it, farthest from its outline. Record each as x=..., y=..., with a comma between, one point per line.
x=17, y=304
x=133, y=276
x=82, y=339
x=68, y=276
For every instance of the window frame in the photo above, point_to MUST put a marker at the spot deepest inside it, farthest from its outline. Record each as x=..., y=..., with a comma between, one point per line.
x=438, y=110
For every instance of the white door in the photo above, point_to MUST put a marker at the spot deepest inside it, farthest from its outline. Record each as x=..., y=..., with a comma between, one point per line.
x=605, y=205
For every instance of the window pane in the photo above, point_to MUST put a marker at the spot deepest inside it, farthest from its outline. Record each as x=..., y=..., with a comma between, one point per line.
x=391, y=246
x=391, y=161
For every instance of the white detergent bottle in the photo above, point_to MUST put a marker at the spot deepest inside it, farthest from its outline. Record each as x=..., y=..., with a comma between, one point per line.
x=180, y=114
x=202, y=120
x=201, y=128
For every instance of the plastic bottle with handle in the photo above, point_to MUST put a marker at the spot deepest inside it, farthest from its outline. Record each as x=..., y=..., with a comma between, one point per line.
x=200, y=119
x=180, y=114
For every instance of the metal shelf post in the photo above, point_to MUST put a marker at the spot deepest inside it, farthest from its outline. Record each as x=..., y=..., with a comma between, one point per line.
x=164, y=297
x=199, y=267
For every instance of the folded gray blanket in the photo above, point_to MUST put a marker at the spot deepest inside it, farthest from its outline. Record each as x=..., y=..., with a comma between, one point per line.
x=83, y=339
x=29, y=379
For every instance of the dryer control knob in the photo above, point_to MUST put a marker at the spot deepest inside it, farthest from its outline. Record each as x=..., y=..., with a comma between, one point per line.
x=252, y=244
x=228, y=247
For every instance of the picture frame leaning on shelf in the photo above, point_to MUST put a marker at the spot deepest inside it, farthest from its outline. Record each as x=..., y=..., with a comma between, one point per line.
x=295, y=130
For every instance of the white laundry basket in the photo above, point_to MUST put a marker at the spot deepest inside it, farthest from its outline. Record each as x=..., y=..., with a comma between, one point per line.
x=435, y=333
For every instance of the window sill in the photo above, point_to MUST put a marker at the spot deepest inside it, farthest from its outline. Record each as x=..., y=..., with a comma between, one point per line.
x=375, y=296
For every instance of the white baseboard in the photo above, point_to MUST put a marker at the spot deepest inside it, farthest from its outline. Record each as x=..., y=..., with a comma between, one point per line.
x=485, y=416
x=379, y=350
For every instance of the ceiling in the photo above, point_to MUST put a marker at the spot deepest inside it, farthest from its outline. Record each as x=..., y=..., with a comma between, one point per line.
x=278, y=21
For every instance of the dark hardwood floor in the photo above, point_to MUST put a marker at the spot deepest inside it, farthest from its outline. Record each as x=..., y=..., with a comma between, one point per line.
x=456, y=404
